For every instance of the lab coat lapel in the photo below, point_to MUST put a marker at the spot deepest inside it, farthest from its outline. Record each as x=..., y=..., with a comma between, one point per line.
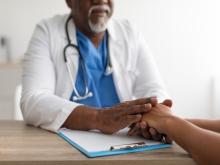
x=116, y=47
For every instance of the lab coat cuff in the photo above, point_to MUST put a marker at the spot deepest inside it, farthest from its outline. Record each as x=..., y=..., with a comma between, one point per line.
x=63, y=115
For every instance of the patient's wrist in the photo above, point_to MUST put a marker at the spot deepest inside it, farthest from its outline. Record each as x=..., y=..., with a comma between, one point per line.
x=170, y=124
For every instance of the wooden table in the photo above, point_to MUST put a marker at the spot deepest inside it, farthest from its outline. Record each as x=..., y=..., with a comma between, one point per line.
x=26, y=145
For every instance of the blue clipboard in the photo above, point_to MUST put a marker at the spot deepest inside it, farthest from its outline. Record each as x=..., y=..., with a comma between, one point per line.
x=95, y=144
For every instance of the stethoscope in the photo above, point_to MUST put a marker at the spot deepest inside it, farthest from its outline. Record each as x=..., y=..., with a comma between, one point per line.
x=70, y=45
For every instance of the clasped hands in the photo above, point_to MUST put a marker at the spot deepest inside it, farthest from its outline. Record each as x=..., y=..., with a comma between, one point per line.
x=151, y=124
x=143, y=116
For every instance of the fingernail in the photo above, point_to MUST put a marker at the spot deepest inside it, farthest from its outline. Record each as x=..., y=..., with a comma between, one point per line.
x=138, y=126
x=152, y=131
x=148, y=106
x=139, y=116
x=143, y=125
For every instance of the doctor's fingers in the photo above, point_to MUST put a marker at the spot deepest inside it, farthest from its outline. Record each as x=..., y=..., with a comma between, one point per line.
x=155, y=134
x=130, y=119
x=135, y=130
x=145, y=130
x=135, y=109
x=168, y=140
x=141, y=129
x=151, y=100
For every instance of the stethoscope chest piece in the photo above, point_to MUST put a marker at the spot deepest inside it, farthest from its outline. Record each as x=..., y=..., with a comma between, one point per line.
x=109, y=70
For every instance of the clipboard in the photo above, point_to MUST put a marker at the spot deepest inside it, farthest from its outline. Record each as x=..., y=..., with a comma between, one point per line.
x=95, y=144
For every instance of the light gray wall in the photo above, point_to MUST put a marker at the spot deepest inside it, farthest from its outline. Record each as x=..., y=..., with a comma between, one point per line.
x=183, y=35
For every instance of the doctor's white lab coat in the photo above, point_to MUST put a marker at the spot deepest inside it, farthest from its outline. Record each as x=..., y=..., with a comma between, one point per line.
x=47, y=86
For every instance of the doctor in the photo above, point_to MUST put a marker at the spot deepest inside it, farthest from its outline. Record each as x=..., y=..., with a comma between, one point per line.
x=81, y=69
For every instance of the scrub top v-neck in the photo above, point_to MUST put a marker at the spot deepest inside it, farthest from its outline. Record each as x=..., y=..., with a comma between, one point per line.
x=95, y=61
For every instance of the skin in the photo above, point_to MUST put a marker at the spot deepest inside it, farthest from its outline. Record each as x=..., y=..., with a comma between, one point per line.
x=80, y=11
x=107, y=120
x=194, y=135
x=142, y=128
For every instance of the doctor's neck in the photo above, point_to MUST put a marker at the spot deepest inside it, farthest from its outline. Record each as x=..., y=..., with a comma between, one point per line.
x=97, y=39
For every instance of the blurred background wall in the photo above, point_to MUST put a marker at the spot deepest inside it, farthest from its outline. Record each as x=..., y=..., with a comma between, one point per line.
x=183, y=35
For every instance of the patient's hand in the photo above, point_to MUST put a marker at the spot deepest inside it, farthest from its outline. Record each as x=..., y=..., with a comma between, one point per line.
x=157, y=118
x=145, y=129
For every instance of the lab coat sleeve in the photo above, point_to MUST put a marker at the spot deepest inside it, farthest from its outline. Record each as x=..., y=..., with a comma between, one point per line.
x=39, y=104
x=148, y=81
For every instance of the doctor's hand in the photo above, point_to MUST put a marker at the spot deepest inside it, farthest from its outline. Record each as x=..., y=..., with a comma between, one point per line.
x=108, y=120
x=113, y=119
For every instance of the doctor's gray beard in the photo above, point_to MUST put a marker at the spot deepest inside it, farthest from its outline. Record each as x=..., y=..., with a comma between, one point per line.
x=103, y=21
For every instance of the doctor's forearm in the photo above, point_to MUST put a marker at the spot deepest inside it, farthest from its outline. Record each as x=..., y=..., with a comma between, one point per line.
x=82, y=118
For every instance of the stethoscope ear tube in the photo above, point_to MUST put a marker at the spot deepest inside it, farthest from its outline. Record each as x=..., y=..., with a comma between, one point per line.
x=65, y=50
x=69, y=45
x=64, y=53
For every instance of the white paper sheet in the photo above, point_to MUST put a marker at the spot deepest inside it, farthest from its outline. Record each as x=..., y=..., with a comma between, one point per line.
x=94, y=141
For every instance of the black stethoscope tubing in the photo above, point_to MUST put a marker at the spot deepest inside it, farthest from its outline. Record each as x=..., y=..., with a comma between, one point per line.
x=108, y=69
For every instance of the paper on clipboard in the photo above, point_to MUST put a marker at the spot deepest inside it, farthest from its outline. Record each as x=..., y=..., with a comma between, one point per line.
x=94, y=143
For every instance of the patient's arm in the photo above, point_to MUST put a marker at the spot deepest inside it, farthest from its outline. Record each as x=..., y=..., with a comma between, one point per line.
x=213, y=125
x=202, y=144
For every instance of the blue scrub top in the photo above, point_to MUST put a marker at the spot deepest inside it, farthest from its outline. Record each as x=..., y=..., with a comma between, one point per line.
x=95, y=61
